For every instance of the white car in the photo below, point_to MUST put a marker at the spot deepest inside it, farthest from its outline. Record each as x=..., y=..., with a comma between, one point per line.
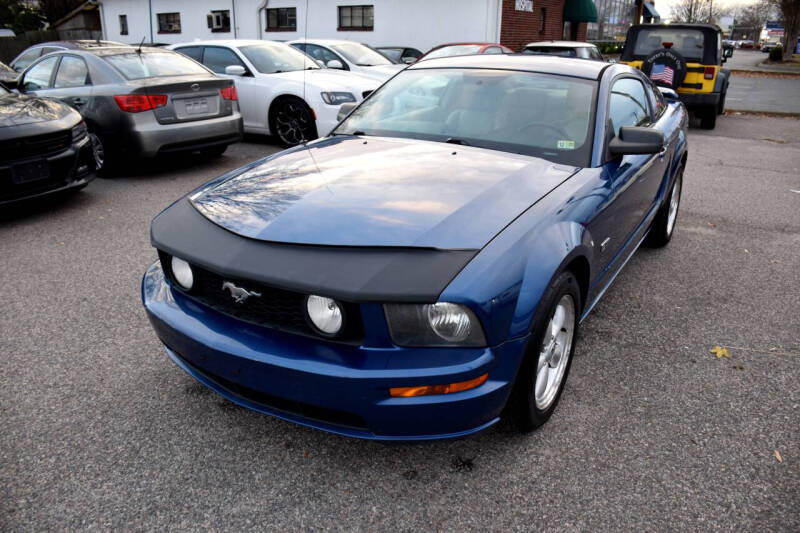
x=349, y=55
x=281, y=91
x=564, y=49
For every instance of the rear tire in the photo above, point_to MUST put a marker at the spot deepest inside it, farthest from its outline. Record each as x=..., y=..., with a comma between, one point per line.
x=545, y=367
x=292, y=121
x=708, y=118
x=721, y=108
x=664, y=224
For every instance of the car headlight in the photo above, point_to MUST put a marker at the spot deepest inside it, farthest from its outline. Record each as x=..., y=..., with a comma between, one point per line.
x=182, y=272
x=439, y=324
x=79, y=132
x=337, y=98
x=325, y=314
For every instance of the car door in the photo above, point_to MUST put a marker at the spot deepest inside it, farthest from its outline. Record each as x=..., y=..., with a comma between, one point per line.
x=72, y=83
x=632, y=181
x=253, y=98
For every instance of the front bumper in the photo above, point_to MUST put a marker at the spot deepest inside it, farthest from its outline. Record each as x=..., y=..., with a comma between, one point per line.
x=335, y=387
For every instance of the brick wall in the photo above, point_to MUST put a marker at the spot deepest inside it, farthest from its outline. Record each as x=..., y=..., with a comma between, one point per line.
x=521, y=27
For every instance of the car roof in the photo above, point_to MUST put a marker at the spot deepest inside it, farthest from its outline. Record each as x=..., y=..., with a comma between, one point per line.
x=474, y=42
x=79, y=44
x=324, y=41
x=562, y=44
x=228, y=42
x=566, y=66
x=115, y=50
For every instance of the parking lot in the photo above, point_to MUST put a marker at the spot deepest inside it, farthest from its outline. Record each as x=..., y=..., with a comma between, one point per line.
x=653, y=432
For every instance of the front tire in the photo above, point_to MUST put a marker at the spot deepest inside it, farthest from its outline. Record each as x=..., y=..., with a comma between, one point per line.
x=664, y=223
x=103, y=159
x=543, y=374
x=292, y=121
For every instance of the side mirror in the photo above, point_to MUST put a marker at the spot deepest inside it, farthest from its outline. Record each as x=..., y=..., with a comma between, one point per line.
x=408, y=60
x=636, y=140
x=335, y=63
x=344, y=110
x=669, y=94
x=235, y=70
x=320, y=63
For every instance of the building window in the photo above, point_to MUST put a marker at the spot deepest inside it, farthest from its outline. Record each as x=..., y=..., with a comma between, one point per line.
x=542, y=19
x=123, y=24
x=282, y=19
x=169, y=23
x=358, y=18
x=219, y=21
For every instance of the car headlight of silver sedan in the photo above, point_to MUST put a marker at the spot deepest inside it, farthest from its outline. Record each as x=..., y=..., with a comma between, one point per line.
x=439, y=324
x=336, y=98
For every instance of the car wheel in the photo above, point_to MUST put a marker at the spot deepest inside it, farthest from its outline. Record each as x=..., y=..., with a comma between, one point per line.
x=708, y=118
x=664, y=223
x=292, y=122
x=100, y=153
x=541, y=378
x=721, y=108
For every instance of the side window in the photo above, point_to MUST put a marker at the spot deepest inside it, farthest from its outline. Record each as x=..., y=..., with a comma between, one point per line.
x=47, y=49
x=594, y=54
x=27, y=58
x=216, y=59
x=72, y=72
x=195, y=52
x=657, y=102
x=318, y=52
x=38, y=77
x=493, y=50
x=628, y=104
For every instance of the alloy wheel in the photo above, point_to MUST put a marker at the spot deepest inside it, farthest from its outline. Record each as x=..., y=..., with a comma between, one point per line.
x=98, y=151
x=674, y=201
x=555, y=353
x=293, y=123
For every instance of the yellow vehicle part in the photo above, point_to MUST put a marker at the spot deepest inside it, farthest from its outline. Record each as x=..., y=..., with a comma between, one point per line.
x=694, y=82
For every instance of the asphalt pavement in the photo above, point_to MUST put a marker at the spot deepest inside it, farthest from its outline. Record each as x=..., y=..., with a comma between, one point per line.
x=654, y=432
x=758, y=88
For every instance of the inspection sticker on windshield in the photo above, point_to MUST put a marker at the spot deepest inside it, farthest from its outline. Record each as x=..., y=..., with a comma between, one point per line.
x=566, y=145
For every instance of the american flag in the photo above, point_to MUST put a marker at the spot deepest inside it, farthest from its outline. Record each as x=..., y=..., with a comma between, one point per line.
x=662, y=73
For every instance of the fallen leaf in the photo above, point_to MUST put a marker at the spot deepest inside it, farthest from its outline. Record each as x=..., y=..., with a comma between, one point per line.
x=778, y=456
x=712, y=225
x=720, y=352
x=306, y=453
x=746, y=251
x=101, y=217
x=774, y=348
x=738, y=367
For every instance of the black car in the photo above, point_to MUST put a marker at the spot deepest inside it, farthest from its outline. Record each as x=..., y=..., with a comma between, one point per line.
x=44, y=148
x=32, y=53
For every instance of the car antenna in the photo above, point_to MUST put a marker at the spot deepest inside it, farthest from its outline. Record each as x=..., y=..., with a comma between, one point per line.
x=139, y=50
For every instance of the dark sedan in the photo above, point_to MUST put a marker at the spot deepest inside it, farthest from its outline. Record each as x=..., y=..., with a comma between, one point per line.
x=44, y=148
x=140, y=102
x=32, y=53
x=423, y=270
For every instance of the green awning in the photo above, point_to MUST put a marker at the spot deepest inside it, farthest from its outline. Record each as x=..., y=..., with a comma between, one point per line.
x=580, y=11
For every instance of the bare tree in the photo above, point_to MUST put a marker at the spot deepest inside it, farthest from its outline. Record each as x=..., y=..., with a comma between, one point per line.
x=790, y=13
x=756, y=16
x=706, y=11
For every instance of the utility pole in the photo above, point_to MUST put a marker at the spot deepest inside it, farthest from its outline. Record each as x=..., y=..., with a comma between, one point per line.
x=710, y=11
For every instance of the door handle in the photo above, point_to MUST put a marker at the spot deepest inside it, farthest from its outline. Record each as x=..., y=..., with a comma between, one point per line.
x=663, y=152
x=79, y=101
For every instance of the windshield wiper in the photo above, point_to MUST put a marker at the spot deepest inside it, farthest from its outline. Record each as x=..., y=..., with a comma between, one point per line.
x=453, y=140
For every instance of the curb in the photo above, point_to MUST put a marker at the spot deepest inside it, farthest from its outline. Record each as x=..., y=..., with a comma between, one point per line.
x=774, y=114
x=765, y=73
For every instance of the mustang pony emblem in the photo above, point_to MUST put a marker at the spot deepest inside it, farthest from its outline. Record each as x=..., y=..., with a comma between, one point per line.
x=239, y=294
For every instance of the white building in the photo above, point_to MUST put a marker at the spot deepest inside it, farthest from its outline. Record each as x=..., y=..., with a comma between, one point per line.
x=418, y=23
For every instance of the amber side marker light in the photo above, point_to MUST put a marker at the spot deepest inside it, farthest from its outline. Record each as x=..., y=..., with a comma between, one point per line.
x=425, y=390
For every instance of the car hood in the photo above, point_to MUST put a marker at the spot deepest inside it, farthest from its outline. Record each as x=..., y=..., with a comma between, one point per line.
x=380, y=72
x=20, y=110
x=330, y=80
x=355, y=191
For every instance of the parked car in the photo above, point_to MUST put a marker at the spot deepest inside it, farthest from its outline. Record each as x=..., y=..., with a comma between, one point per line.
x=281, y=91
x=464, y=49
x=32, y=53
x=564, y=49
x=44, y=148
x=140, y=102
x=8, y=75
x=349, y=55
x=400, y=54
x=418, y=273
x=685, y=57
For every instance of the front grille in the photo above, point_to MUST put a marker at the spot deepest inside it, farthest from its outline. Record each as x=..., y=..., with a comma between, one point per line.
x=292, y=407
x=35, y=146
x=275, y=308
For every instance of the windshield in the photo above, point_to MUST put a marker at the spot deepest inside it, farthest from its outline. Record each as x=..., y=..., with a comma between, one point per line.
x=275, y=58
x=456, y=50
x=522, y=112
x=361, y=55
x=686, y=41
x=392, y=53
x=154, y=64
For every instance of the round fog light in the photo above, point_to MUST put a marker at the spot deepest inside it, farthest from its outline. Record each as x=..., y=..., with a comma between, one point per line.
x=325, y=314
x=182, y=272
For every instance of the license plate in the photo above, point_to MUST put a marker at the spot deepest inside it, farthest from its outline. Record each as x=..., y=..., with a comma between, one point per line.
x=196, y=107
x=36, y=170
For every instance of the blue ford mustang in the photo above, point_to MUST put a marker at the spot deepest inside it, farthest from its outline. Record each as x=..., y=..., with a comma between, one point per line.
x=424, y=268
